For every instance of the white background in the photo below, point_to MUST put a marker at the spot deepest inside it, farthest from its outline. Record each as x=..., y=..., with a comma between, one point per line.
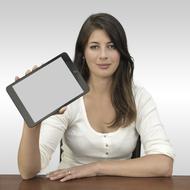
x=158, y=32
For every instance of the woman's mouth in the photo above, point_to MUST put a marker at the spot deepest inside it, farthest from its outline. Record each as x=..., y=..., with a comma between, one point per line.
x=103, y=66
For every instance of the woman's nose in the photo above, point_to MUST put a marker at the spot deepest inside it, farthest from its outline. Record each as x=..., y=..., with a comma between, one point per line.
x=103, y=54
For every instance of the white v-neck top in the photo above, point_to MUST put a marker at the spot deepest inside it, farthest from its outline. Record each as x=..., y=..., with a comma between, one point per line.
x=82, y=144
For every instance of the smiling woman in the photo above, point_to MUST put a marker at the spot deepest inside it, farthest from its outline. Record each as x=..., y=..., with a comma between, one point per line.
x=101, y=55
x=99, y=131
x=104, y=33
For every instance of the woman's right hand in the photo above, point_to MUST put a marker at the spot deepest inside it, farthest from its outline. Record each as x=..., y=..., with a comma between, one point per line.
x=27, y=72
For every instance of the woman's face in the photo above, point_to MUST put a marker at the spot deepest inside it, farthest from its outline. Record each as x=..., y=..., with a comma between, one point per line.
x=101, y=56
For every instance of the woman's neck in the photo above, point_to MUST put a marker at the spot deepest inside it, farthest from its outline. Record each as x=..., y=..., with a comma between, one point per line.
x=100, y=86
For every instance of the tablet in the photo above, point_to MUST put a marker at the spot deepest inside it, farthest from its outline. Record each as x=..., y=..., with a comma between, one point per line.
x=45, y=90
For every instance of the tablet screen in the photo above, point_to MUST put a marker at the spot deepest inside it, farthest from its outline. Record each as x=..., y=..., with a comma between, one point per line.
x=47, y=89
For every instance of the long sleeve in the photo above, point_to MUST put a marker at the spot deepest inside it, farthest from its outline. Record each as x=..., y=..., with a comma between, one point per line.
x=52, y=130
x=149, y=126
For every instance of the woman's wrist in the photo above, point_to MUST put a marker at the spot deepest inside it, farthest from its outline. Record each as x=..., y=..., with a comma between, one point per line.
x=97, y=168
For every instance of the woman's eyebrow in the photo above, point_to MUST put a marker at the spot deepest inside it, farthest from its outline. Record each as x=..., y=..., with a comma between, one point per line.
x=93, y=42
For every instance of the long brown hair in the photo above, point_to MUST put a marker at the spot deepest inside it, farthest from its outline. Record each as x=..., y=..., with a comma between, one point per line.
x=122, y=86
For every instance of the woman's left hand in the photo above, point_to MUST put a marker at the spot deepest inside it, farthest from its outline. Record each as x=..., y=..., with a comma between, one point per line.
x=87, y=170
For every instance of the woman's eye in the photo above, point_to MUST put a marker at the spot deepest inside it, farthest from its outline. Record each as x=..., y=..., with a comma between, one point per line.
x=94, y=47
x=111, y=46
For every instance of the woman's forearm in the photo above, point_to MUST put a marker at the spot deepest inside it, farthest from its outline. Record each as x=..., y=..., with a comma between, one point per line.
x=29, y=154
x=147, y=166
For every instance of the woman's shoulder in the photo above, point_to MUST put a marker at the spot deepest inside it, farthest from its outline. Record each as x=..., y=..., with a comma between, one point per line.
x=142, y=97
x=75, y=106
x=140, y=92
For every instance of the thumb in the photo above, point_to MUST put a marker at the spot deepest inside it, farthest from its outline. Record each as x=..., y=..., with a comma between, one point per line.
x=62, y=110
x=16, y=78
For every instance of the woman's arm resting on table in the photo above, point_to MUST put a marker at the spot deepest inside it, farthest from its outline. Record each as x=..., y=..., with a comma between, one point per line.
x=147, y=166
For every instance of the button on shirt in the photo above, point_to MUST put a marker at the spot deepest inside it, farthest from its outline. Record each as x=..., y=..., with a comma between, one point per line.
x=82, y=144
x=106, y=144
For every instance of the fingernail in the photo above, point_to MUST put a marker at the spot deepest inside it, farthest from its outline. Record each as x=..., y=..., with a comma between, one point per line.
x=62, y=110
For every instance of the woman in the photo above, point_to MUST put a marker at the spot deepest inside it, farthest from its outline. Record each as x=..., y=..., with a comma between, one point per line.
x=100, y=130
